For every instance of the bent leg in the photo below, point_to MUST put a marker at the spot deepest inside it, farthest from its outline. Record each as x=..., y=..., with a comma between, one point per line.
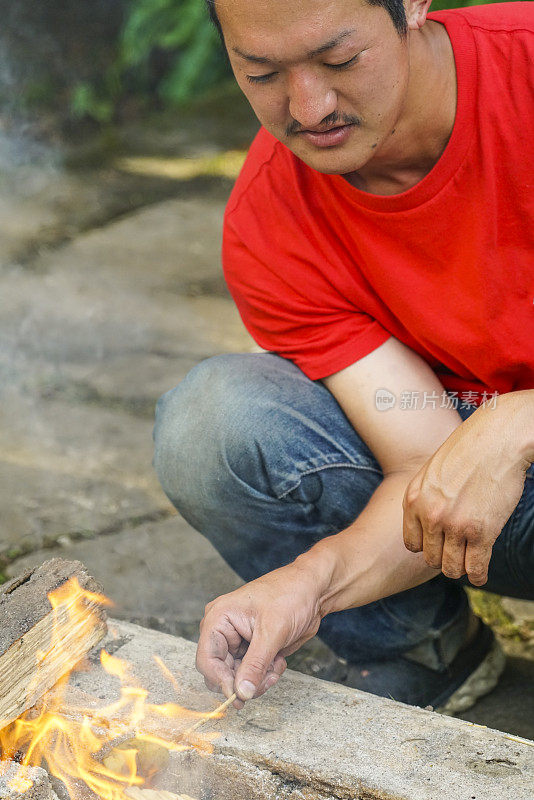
x=264, y=463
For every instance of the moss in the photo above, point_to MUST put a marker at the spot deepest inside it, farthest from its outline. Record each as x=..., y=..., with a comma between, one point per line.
x=13, y=553
x=489, y=607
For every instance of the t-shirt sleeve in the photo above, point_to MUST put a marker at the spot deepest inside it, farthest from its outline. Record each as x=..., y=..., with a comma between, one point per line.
x=279, y=272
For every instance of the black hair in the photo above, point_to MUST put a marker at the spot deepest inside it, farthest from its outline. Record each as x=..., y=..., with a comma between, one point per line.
x=395, y=9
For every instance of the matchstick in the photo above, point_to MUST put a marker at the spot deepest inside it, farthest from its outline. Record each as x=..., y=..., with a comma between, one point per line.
x=219, y=710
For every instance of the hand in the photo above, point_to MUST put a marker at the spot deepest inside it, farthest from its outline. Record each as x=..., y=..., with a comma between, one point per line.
x=246, y=635
x=457, y=504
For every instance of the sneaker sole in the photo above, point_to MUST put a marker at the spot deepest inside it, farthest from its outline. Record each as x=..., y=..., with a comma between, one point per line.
x=482, y=681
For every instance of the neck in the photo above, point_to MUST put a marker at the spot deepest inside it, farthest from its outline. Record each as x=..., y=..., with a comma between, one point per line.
x=425, y=123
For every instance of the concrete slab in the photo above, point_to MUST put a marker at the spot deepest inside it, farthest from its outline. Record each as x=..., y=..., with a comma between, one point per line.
x=311, y=739
x=90, y=338
x=42, y=204
x=159, y=574
x=93, y=441
x=72, y=468
x=40, y=506
x=172, y=246
x=12, y=786
x=132, y=382
x=61, y=319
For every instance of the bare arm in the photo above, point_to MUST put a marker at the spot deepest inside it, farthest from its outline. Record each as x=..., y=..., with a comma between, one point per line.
x=246, y=635
x=368, y=560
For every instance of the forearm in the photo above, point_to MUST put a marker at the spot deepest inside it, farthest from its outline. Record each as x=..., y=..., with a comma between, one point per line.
x=368, y=560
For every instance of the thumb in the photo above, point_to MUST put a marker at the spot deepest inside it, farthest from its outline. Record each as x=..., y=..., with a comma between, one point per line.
x=255, y=665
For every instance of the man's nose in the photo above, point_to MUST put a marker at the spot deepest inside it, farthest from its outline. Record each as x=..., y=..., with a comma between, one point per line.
x=310, y=99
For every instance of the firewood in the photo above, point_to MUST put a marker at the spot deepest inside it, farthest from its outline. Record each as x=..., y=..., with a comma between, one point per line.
x=33, y=656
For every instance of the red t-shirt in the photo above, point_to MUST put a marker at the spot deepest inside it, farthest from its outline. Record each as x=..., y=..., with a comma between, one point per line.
x=323, y=273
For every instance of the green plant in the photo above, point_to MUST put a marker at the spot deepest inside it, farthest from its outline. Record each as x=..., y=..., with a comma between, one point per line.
x=182, y=30
x=86, y=102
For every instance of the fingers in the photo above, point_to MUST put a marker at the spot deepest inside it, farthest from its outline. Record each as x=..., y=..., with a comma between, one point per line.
x=255, y=669
x=215, y=662
x=461, y=555
x=221, y=680
x=477, y=559
x=273, y=675
x=412, y=530
x=274, y=672
x=230, y=665
x=421, y=532
x=433, y=548
x=453, y=560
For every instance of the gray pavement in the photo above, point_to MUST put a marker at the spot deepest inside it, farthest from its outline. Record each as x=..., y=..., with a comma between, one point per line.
x=108, y=296
x=92, y=334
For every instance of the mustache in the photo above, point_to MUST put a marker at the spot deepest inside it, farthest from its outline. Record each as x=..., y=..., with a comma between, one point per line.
x=332, y=119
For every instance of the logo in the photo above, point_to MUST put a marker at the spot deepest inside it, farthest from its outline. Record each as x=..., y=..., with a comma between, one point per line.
x=384, y=399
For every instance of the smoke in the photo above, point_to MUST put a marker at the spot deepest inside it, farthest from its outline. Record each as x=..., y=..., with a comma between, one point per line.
x=46, y=49
x=22, y=152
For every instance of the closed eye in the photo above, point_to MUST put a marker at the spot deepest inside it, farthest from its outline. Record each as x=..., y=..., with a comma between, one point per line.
x=260, y=78
x=344, y=64
x=270, y=75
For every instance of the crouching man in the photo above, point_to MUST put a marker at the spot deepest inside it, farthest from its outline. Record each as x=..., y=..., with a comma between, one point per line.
x=379, y=244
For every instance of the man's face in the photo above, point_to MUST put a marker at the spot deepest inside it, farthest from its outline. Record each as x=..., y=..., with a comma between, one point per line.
x=328, y=78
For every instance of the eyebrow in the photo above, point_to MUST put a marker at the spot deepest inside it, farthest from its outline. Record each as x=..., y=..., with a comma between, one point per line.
x=310, y=54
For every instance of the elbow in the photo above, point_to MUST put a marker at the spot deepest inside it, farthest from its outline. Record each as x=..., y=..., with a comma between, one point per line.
x=406, y=469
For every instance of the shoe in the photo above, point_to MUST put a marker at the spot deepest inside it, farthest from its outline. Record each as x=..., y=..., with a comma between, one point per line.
x=474, y=672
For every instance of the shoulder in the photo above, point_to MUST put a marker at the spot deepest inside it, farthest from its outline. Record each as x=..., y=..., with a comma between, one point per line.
x=492, y=17
x=500, y=39
x=268, y=171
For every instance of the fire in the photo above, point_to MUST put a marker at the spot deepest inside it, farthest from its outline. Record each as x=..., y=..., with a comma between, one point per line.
x=106, y=750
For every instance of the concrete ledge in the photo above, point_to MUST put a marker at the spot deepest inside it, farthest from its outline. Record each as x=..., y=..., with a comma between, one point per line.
x=39, y=790
x=311, y=740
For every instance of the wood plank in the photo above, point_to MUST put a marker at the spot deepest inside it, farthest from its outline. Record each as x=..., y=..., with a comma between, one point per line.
x=32, y=659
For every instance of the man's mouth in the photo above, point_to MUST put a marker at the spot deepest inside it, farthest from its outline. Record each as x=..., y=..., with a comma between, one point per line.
x=328, y=137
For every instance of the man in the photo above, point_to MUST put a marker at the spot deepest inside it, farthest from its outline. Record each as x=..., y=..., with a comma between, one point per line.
x=379, y=243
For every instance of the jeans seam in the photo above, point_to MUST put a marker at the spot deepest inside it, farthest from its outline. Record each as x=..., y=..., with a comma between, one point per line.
x=398, y=621
x=429, y=629
x=313, y=470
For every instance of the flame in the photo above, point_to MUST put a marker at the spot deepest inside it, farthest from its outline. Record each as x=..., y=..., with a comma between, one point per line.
x=107, y=749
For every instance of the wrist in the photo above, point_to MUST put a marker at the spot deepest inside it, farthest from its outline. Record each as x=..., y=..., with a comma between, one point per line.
x=320, y=565
x=518, y=409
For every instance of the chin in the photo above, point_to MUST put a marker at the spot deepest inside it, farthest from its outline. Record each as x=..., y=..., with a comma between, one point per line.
x=333, y=162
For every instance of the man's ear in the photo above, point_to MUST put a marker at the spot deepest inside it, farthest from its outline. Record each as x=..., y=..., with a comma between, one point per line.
x=416, y=11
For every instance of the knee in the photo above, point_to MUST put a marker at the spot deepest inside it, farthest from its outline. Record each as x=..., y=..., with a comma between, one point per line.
x=203, y=426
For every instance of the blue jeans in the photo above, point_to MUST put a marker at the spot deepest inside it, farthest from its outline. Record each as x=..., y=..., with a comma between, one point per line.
x=264, y=463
